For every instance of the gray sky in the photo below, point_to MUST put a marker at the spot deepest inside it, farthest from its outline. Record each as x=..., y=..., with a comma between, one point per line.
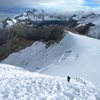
x=40, y=3
x=52, y=5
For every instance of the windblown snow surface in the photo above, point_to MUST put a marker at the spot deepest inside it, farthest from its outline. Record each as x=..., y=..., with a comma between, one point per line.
x=74, y=55
x=19, y=84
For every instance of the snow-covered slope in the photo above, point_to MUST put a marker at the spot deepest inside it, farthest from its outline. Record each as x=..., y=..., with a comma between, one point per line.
x=75, y=55
x=83, y=61
x=19, y=84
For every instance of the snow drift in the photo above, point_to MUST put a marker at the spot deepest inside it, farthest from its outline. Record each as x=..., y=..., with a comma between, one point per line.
x=19, y=84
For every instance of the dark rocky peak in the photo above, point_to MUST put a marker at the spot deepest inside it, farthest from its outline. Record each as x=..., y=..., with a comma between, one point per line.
x=85, y=29
x=32, y=11
x=6, y=21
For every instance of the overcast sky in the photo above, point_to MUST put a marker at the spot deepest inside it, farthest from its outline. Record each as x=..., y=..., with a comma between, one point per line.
x=14, y=6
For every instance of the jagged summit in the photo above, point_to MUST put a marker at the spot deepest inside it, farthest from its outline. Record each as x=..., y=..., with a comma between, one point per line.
x=33, y=16
x=38, y=15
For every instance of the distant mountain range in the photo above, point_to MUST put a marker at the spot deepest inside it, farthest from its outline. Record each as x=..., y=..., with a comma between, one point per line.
x=38, y=25
x=77, y=21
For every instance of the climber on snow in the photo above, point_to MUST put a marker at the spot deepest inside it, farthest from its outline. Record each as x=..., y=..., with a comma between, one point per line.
x=68, y=78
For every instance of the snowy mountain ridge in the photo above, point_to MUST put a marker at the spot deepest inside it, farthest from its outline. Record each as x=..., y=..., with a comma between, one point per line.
x=30, y=16
x=41, y=15
x=72, y=55
x=86, y=23
x=19, y=84
x=38, y=15
x=81, y=18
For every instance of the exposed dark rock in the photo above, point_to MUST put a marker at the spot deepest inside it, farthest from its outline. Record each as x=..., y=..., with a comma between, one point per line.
x=20, y=36
x=49, y=43
x=13, y=45
x=71, y=23
x=84, y=29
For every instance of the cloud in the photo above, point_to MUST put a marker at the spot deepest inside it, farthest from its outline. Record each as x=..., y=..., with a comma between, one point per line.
x=48, y=4
x=63, y=4
x=96, y=1
x=51, y=5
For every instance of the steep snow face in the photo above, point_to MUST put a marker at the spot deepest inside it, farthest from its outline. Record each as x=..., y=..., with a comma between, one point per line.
x=19, y=84
x=75, y=55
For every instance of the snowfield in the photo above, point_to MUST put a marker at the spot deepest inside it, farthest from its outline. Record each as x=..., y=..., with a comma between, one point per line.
x=19, y=84
x=74, y=55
